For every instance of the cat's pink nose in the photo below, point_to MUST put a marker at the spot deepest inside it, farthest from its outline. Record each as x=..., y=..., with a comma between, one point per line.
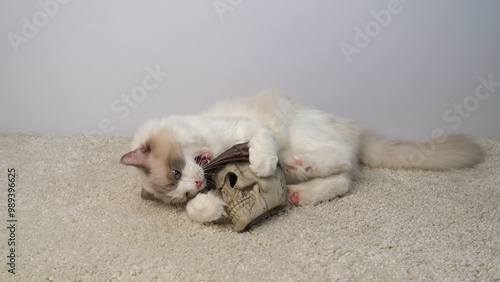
x=198, y=184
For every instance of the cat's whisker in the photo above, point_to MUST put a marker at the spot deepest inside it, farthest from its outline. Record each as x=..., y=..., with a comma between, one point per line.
x=211, y=182
x=205, y=164
x=213, y=167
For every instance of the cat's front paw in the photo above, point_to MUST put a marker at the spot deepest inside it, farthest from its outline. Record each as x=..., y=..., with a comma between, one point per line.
x=206, y=207
x=263, y=164
x=263, y=151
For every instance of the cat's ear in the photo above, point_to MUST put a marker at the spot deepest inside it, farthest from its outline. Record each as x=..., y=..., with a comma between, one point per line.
x=137, y=158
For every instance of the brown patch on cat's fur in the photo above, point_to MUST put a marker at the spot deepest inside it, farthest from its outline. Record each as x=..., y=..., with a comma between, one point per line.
x=146, y=195
x=151, y=197
x=155, y=160
x=166, y=155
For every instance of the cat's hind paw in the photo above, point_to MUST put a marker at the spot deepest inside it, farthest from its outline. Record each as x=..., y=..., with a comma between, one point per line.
x=293, y=197
x=206, y=208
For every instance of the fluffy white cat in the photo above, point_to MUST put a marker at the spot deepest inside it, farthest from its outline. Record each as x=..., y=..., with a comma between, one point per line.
x=318, y=151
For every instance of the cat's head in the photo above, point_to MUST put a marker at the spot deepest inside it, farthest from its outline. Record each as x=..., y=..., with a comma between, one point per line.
x=165, y=169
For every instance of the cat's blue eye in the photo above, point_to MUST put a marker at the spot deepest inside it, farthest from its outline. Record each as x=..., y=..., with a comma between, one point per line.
x=176, y=174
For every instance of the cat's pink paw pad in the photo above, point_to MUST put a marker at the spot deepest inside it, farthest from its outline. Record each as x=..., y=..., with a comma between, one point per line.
x=300, y=163
x=297, y=165
x=294, y=198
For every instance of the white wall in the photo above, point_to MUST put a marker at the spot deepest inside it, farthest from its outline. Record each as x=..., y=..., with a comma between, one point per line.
x=66, y=66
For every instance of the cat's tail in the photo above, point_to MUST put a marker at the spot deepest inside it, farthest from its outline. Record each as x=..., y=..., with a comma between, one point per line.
x=446, y=152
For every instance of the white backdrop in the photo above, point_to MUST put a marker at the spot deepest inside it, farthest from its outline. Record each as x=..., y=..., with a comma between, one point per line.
x=405, y=69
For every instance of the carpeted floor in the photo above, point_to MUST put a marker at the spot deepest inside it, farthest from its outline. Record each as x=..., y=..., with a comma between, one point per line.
x=80, y=218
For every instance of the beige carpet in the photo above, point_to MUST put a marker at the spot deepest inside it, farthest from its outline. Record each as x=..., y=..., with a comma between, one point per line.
x=80, y=218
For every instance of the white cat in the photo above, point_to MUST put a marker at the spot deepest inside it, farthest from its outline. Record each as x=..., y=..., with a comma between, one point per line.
x=319, y=152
